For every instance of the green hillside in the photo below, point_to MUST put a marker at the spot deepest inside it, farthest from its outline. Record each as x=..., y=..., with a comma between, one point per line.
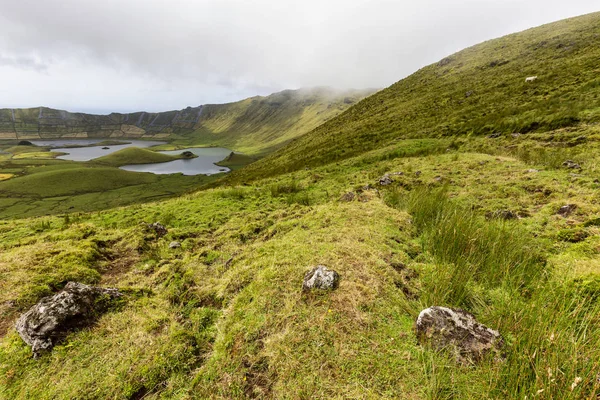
x=260, y=125
x=414, y=196
x=478, y=91
x=257, y=125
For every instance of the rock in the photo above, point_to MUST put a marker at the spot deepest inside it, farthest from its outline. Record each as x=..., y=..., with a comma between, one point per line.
x=469, y=93
x=418, y=173
x=532, y=171
x=24, y=143
x=504, y=214
x=494, y=135
x=158, y=228
x=515, y=135
x=571, y=164
x=566, y=210
x=438, y=178
x=386, y=180
x=459, y=331
x=222, y=169
x=174, y=245
x=188, y=154
x=348, y=197
x=445, y=61
x=321, y=277
x=106, y=148
x=50, y=320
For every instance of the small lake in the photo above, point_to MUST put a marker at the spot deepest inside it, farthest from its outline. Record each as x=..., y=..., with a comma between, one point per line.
x=203, y=164
x=89, y=153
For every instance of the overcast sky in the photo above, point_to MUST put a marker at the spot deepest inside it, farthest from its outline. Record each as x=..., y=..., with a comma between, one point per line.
x=128, y=55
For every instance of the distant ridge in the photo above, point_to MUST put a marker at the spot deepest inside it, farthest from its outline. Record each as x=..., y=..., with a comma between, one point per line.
x=257, y=124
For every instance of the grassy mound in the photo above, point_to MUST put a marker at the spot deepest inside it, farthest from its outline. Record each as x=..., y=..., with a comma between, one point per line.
x=71, y=182
x=236, y=161
x=134, y=155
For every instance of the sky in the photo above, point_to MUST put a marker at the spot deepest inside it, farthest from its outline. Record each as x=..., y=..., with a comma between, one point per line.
x=132, y=55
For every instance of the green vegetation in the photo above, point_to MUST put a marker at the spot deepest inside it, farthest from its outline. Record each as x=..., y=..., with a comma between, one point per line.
x=478, y=91
x=468, y=221
x=135, y=155
x=236, y=161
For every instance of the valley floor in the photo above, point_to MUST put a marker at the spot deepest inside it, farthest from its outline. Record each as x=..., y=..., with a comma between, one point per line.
x=470, y=224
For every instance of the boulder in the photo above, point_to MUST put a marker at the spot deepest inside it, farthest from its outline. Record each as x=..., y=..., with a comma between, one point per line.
x=458, y=331
x=321, y=277
x=566, y=210
x=174, y=245
x=158, y=228
x=188, y=154
x=24, y=143
x=106, y=148
x=50, y=320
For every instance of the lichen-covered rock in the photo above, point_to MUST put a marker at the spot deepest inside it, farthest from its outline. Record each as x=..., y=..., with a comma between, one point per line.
x=321, y=277
x=459, y=332
x=174, y=245
x=386, y=180
x=348, y=197
x=571, y=164
x=50, y=320
x=566, y=210
x=158, y=228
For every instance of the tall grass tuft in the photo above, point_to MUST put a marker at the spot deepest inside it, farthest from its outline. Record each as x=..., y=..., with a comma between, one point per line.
x=469, y=249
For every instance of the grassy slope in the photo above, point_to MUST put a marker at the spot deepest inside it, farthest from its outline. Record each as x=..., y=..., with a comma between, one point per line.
x=259, y=125
x=224, y=317
x=480, y=90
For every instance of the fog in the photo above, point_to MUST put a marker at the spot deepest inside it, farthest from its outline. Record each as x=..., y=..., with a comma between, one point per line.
x=128, y=55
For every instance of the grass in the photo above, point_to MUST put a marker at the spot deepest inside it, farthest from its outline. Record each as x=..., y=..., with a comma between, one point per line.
x=467, y=94
x=236, y=161
x=134, y=155
x=224, y=316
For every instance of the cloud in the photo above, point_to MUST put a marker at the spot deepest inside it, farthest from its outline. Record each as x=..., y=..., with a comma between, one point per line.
x=150, y=54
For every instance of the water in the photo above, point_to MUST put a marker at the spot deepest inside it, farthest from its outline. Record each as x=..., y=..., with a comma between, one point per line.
x=203, y=164
x=89, y=153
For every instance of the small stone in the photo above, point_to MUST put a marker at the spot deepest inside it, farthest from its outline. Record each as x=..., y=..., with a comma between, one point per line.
x=348, y=197
x=174, y=245
x=571, y=164
x=158, y=228
x=418, y=173
x=438, y=179
x=566, y=210
x=494, y=135
x=385, y=180
x=457, y=330
x=532, y=171
x=321, y=277
x=52, y=318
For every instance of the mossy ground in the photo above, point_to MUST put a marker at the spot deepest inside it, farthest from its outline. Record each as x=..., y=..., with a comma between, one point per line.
x=224, y=316
x=470, y=221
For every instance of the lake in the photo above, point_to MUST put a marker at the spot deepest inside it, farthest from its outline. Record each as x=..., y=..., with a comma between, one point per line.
x=89, y=153
x=204, y=164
